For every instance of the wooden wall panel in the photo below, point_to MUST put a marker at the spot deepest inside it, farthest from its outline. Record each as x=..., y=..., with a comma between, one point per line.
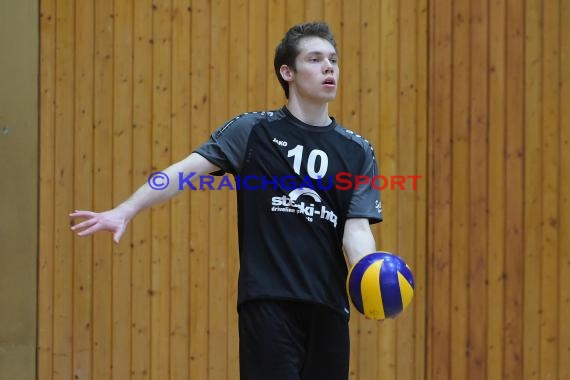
x=199, y=214
x=161, y=158
x=180, y=210
x=275, y=27
x=218, y=278
x=440, y=235
x=83, y=196
x=420, y=257
x=564, y=194
x=407, y=143
x=141, y=167
x=369, y=85
x=514, y=179
x=128, y=86
x=142, y=93
x=496, y=183
x=495, y=334
x=350, y=83
x=122, y=153
x=63, y=189
x=103, y=186
x=460, y=201
x=478, y=195
x=46, y=236
x=549, y=360
x=237, y=103
x=533, y=177
x=388, y=161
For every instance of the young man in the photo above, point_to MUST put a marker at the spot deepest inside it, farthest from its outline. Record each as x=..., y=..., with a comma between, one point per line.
x=294, y=219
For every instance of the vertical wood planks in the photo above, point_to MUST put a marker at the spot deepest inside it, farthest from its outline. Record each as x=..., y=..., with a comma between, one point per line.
x=122, y=154
x=460, y=182
x=421, y=195
x=159, y=67
x=407, y=159
x=46, y=263
x=83, y=195
x=564, y=195
x=256, y=55
x=550, y=219
x=142, y=168
x=439, y=213
x=63, y=190
x=219, y=71
x=180, y=210
x=478, y=191
x=533, y=178
x=496, y=189
x=238, y=79
x=103, y=187
x=389, y=104
x=295, y=12
x=350, y=83
x=128, y=87
x=199, y=215
x=514, y=103
x=313, y=10
x=369, y=85
x=275, y=31
x=161, y=158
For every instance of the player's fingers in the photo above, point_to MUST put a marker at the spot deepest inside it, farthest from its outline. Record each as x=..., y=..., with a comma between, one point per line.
x=85, y=224
x=91, y=230
x=82, y=214
x=117, y=236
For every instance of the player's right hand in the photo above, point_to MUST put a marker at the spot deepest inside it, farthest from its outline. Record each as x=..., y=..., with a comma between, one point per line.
x=113, y=221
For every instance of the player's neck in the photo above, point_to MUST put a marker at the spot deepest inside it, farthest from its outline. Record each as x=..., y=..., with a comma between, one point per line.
x=316, y=114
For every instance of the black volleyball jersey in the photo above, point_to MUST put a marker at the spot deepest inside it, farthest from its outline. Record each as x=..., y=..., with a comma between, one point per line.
x=296, y=186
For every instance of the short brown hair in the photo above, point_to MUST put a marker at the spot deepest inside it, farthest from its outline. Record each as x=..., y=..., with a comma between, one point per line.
x=288, y=49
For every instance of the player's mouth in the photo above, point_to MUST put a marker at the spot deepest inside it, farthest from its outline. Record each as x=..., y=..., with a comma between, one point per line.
x=329, y=83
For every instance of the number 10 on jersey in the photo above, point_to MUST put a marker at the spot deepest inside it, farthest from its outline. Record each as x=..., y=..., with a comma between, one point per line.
x=297, y=154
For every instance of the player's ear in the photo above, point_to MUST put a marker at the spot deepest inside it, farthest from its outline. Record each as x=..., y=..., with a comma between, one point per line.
x=286, y=73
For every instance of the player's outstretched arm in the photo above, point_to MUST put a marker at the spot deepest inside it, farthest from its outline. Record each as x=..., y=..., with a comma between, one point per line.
x=358, y=240
x=117, y=219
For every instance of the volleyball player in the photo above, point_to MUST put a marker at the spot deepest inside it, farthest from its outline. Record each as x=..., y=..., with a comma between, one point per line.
x=296, y=229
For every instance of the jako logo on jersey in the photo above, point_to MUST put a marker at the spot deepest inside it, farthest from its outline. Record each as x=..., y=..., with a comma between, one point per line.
x=291, y=204
x=279, y=142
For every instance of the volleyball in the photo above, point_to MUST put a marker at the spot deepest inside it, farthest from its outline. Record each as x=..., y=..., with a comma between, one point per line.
x=380, y=285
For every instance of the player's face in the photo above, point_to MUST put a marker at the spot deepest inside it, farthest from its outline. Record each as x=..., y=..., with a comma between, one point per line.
x=317, y=72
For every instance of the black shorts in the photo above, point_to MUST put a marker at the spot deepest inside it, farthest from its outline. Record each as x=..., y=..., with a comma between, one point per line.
x=287, y=340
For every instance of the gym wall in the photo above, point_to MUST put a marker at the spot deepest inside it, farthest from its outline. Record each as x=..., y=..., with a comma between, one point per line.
x=468, y=94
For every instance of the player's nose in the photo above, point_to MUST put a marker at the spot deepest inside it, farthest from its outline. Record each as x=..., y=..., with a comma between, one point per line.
x=328, y=66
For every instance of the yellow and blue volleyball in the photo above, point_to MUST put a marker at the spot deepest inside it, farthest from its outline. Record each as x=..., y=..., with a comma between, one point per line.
x=380, y=285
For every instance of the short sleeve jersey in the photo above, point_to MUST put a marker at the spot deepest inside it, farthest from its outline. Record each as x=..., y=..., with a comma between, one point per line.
x=296, y=188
